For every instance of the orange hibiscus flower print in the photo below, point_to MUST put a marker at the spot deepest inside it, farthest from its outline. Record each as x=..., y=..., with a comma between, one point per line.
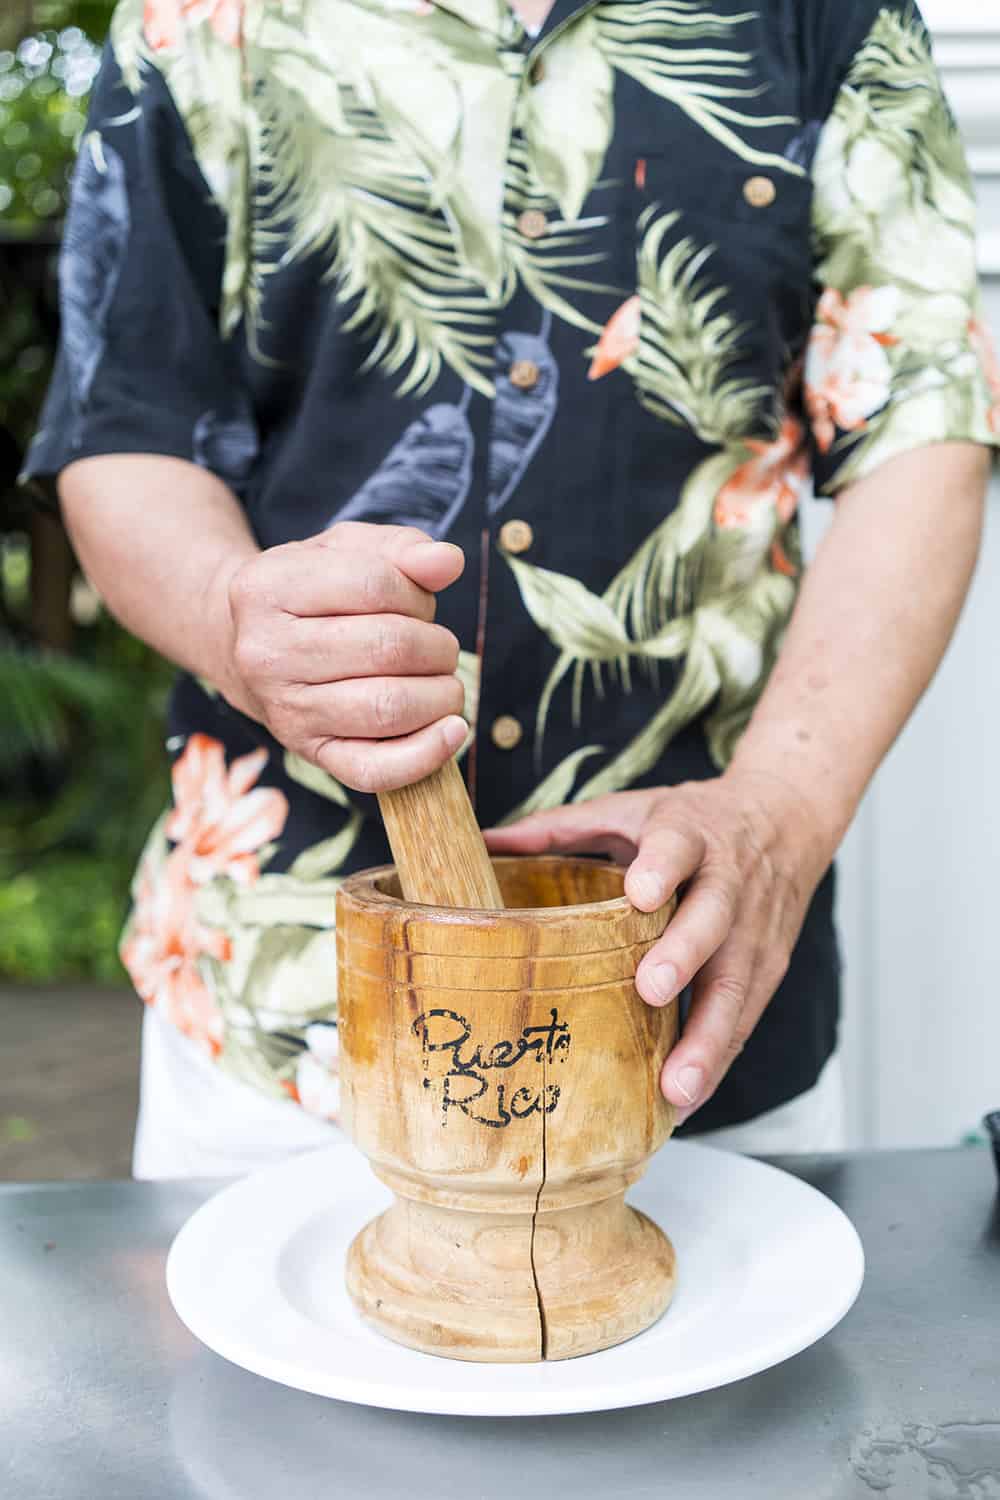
x=619, y=340
x=163, y=20
x=776, y=477
x=847, y=372
x=162, y=949
x=982, y=342
x=219, y=824
x=219, y=819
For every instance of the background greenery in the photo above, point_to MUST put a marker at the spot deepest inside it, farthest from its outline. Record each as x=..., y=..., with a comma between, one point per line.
x=82, y=768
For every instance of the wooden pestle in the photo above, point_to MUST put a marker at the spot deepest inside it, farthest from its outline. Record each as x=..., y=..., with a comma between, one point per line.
x=436, y=843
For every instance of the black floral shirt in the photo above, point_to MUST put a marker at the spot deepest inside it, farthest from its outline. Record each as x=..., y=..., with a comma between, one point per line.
x=598, y=305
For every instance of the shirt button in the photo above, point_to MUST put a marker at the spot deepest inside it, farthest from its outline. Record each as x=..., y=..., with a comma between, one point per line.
x=760, y=192
x=537, y=71
x=524, y=374
x=532, y=223
x=516, y=536
x=506, y=732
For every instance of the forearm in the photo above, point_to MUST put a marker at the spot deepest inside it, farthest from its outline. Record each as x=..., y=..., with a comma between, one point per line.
x=159, y=538
x=875, y=614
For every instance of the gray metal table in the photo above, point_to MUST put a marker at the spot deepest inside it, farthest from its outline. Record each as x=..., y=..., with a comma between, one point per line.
x=103, y=1394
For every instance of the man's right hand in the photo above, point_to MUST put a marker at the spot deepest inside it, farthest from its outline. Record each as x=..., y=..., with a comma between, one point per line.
x=333, y=648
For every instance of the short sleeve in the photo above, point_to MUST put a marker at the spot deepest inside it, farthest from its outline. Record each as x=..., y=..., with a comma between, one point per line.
x=145, y=362
x=899, y=354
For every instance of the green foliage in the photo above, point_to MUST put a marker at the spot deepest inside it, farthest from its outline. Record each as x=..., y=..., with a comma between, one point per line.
x=48, y=58
x=39, y=691
x=60, y=919
x=82, y=769
x=43, y=91
x=49, y=51
x=86, y=733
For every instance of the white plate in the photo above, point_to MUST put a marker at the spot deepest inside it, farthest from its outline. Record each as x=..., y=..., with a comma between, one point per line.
x=767, y=1265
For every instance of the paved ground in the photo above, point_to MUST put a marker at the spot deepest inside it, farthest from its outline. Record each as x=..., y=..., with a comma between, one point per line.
x=69, y=1069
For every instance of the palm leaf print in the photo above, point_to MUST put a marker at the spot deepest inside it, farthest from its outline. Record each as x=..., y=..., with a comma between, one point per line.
x=588, y=632
x=445, y=101
x=362, y=200
x=314, y=779
x=744, y=638
x=555, y=789
x=552, y=265
x=326, y=858
x=205, y=79
x=90, y=261
x=424, y=479
x=894, y=210
x=733, y=643
x=567, y=119
x=692, y=591
x=660, y=581
x=520, y=418
x=686, y=342
x=696, y=687
x=579, y=622
x=896, y=70
x=648, y=40
x=272, y=901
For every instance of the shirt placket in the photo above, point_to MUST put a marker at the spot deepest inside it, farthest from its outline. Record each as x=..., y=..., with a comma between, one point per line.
x=524, y=379
x=526, y=383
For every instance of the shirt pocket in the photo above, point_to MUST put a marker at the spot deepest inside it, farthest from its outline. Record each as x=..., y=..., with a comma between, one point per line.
x=722, y=263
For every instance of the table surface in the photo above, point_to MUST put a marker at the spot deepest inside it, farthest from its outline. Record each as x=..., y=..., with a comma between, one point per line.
x=104, y=1394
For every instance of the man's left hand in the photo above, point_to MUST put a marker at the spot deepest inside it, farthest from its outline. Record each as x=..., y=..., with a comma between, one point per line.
x=745, y=856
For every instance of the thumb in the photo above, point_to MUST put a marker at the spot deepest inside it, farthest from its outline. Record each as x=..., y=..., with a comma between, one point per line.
x=431, y=565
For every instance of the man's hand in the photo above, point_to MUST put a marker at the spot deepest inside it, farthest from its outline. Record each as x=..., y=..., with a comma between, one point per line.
x=334, y=649
x=329, y=642
x=746, y=857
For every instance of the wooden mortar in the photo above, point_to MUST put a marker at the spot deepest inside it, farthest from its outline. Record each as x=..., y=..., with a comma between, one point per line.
x=500, y=1073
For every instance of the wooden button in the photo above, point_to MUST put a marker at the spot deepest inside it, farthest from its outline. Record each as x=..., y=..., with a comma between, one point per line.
x=506, y=732
x=537, y=71
x=760, y=192
x=532, y=223
x=524, y=374
x=516, y=536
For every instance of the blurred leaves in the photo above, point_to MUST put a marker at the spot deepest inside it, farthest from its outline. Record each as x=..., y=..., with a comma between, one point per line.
x=82, y=769
x=49, y=52
x=44, y=83
x=83, y=776
x=59, y=921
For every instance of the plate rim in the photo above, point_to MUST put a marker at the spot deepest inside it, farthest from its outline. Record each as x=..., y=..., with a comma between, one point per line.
x=429, y=1398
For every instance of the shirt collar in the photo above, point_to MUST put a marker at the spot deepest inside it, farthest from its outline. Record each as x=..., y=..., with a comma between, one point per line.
x=486, y=15
x=496, y=16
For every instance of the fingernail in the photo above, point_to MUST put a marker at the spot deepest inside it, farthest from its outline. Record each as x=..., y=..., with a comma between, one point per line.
x=661, y=982
x=689, y=1082
x=431, y=543
x=647, y=889
x=455, y=731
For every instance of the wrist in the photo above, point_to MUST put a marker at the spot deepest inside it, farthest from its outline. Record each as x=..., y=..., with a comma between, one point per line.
x=801, y=821
x=221, y=670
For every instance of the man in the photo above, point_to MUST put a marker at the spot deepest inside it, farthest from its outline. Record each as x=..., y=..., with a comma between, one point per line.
x=589, y=295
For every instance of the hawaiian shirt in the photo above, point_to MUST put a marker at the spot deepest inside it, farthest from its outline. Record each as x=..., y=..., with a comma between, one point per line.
x=599, y=305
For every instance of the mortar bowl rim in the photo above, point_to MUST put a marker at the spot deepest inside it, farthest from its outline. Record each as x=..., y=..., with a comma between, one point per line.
x=364, y=888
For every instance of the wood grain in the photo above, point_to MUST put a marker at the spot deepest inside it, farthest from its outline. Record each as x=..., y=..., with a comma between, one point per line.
x=501, y=1074
x=436, y=843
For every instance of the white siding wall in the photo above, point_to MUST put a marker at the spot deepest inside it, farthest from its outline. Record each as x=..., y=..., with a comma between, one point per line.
x=920, y=872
